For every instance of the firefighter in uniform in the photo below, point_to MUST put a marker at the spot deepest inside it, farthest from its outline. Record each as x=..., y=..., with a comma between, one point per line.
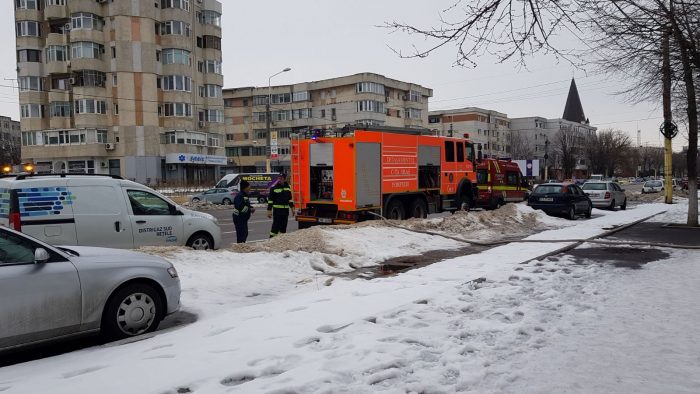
x=242, y=211
x=278, y=204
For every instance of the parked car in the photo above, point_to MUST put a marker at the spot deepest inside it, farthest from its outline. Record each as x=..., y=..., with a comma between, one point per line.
x=561, y=199
x=51, y=293
x=652, y=186
x=604, y=194
x=101, y=210
x=215, y=196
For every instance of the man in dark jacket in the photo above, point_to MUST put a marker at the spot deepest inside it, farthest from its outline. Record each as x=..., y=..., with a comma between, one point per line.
x=241, y=212
x=278, y=204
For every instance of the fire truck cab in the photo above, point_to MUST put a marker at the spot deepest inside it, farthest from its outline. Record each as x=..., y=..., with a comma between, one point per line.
x=349, y=175
x=499, y=181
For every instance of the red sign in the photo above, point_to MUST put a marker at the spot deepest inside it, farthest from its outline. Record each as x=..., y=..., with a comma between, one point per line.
x=274, y=156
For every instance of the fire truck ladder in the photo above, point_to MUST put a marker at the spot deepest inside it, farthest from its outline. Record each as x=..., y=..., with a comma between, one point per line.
x=296, y=171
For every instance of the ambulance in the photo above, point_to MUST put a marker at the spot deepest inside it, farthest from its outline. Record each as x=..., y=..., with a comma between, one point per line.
x=499, y=181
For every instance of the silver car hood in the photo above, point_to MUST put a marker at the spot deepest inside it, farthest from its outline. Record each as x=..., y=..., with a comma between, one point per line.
x=108, y=255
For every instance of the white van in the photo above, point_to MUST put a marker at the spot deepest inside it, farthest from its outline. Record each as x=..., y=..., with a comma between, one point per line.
x=100, y=210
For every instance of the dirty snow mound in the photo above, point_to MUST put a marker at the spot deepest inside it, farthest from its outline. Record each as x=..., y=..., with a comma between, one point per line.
x=307, y=240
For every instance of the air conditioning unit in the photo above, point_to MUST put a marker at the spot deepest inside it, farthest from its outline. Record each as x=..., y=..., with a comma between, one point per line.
x=334, y=118
x=110, y=146
x=103, y=164
x=202, y=123
x=72, y=81
x=66, y=28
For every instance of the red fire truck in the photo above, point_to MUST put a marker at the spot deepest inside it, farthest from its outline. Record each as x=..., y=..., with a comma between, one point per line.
x=343, y=177
x=500, y=181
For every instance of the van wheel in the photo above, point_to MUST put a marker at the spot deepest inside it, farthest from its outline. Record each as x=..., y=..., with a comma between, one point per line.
x=200, y=241
x=589, y=212
x=226, y=201
x=195, y=199
x=132, y=310
x=262, y=200
x=395, y=210
x=419, y=209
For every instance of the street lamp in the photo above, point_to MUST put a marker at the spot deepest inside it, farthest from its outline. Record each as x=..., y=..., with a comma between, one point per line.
x=546, y=157
x=268, y=114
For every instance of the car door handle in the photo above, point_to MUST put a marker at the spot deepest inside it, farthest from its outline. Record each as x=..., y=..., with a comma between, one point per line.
x=140, y=221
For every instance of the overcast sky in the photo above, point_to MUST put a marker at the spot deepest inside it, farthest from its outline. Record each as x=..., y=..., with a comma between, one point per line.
x=322, y=39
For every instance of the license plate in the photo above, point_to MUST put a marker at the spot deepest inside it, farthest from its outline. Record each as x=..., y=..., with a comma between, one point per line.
x=324, y=220
x=546, y=199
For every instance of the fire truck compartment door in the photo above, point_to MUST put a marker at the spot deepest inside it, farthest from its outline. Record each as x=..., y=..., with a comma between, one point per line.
x=368, y=175
x=428, y=155
x=321, y=155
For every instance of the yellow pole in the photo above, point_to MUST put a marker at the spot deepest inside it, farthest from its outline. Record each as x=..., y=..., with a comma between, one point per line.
x=668, y=164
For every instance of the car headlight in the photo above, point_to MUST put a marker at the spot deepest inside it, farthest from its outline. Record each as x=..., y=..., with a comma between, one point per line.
x=173, y=272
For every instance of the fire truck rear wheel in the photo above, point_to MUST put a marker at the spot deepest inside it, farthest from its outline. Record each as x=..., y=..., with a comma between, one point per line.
x=395, y=210
x=419, y=209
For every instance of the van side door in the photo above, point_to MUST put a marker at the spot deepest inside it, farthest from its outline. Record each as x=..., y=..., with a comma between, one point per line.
x=154, y=221
x=101, y=217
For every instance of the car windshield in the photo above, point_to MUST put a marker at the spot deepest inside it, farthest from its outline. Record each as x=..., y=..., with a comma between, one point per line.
x=594, y=186
x=547, y=189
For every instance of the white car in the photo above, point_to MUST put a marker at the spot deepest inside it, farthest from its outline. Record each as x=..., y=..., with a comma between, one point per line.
x=101, y=210
x=652, y=187
x=50, y=293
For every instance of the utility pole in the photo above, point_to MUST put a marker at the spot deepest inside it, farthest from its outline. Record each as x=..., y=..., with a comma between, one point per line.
x=668, y=129
x=546, y=160
x=268, y=121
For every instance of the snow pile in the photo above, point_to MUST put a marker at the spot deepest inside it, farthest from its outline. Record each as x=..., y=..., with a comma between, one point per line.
x=205, y=205
x=511, y=220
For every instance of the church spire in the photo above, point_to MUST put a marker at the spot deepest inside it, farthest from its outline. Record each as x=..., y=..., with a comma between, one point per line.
x=574, y=110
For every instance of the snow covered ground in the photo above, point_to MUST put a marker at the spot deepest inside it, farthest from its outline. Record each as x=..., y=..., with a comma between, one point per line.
x=271, y=322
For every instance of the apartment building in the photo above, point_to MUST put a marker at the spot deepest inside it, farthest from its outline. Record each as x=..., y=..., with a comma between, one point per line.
x=130, y=88
x=9, y=141
x=488, y=128
x=361, y=99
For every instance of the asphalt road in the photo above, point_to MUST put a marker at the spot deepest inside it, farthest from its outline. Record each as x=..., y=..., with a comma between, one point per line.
x=258, y=226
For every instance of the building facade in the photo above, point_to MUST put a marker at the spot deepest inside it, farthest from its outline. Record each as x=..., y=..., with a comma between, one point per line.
x=361, y=99
x=130, y=88
x=490, y=129
x=10, y=141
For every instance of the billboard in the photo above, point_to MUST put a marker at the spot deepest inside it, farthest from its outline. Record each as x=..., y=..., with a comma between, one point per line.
x=529, y=168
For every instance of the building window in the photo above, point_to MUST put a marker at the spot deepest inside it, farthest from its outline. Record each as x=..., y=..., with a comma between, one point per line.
x=210, y=91
x=27, y=4
x=90, y=106
x=57, y=53
x=209, y=17
x=28, y=29
x=90, y=78
x=209, y=42
x=370, y=87
x=415, y=96
x=260, y=134
x=177, y=28
x=281, y=115
x=210, y=67
x=259, y=116
x=301, y=96
x=29, y=55
x=86, y=20
x=370, y=106
x=28, y=138
x=304, y=113
x=30, y=83
x=181, y=4
x=87, y=50
x=30, y=111
x=177, y=109
x=176, y=56
x=369, y=122
x=260, y=100
x=282, y=98
x=60, y=109
x=60, y=83
x=413, y=113
x=179, y=83
x=55, y=2
x=212, y=115
x=434, y=119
